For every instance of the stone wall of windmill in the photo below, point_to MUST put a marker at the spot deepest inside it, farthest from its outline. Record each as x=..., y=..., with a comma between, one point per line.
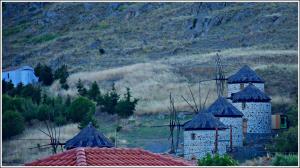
x=198, y=143
x=236, y=87
x=237, y=131
x=257, y=114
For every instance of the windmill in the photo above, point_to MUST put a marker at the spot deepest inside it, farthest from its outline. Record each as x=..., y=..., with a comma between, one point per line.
x=220, y=77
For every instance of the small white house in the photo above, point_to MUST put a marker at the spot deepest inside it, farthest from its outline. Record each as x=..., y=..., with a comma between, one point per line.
x=202, y=135
x=24, y=75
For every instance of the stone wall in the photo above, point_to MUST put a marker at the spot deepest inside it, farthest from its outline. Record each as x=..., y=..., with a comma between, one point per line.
x=258, y=115
x=233, y=88
x=237, y=130
x=203, y=143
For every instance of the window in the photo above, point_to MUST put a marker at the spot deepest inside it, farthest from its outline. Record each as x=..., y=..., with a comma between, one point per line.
x=8, y=75
x=241, y=86
x=243, y=105
x=193, y=136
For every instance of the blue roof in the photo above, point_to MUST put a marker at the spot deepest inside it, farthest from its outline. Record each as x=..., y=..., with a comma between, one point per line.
x=204, y=121
x=88, y=137
x=245, y=75
x=250, y=94
x=222, y=108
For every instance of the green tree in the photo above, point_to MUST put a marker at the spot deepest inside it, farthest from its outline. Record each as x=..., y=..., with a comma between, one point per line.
x=81, y=89
x=217, y=160
x=33, y=92
x=110, y=101
x=12, y=124
x=44, y=73
x=87, y=119
x=62, y=74
x=94, y=92
x=292, y=114
x=37, y=69
x=19, y=89
x=43, y=112
x=126, y=106
x=79, y=108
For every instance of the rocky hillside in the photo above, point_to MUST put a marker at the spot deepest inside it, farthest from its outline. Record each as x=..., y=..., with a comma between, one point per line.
x=151, y=47
x=102, y=35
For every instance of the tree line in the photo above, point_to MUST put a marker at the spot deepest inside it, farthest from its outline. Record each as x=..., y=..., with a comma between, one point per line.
x=23, y=104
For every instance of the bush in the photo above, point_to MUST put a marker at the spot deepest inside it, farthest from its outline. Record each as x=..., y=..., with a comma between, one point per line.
x=79, y=108
x=33, y=92
x=81, y=89
x=13, y=124
x=285, y=160
x=286, y=141
x=217, y=160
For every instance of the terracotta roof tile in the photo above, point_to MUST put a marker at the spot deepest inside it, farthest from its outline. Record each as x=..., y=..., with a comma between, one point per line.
x=110, y=157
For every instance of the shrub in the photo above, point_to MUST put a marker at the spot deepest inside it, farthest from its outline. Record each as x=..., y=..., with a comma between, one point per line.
x=79, y=108
x=217, y=160
x=285, y=160
x=81, y=89
x=286, y=141
x=13, y=124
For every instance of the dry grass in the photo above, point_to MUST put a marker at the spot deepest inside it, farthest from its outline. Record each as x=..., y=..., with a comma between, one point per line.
x=151, y=83
x=16, y=150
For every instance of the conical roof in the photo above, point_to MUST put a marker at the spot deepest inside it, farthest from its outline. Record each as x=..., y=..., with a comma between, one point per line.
x=250, y=94
x=245, y=75
x=204, y=121
x=222, y=108
x=88, y=137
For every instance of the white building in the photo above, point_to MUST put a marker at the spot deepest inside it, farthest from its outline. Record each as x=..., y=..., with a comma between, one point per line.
x=242, y=78
x=232, y=118
x=202, y=135
x=256, y=107
x=24, y=75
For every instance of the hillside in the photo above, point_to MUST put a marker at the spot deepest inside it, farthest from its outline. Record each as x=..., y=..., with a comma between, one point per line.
x=155, y=48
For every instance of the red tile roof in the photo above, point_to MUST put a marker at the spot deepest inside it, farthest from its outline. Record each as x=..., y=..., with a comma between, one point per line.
x=109, y=157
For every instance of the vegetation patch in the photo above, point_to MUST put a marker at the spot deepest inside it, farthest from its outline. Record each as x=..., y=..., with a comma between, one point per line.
x=44, y=38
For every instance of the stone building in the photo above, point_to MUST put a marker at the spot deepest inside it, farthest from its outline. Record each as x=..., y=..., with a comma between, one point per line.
x=201, y=136
x=231, y=117
x=242, y=78
x=256, y=107
x=24, y=75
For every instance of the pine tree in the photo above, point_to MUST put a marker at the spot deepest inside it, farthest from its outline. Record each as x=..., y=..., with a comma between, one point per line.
x=94, y=92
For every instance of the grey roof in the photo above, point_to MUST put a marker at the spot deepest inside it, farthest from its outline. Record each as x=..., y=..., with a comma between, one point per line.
x=204, y=121
x=88, y=137
x=222, y=108
x=250, y=94
x=245, y=75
